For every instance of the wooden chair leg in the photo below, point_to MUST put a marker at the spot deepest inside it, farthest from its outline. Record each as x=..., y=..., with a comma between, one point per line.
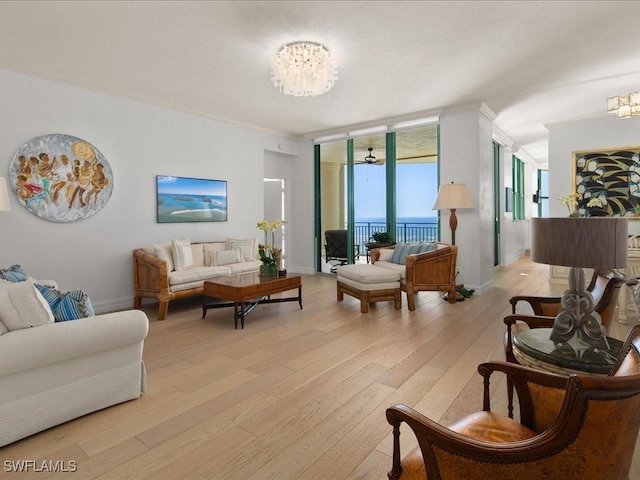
x=411, y=301
x=397, y=300
x=163, y=309
x=364, y=306
x=137, y=302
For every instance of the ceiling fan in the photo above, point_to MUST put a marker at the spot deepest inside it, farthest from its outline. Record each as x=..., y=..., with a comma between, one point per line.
x=371, y=160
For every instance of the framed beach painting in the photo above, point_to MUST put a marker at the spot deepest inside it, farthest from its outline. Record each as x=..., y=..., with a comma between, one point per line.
x=183, y=199
x=608, y=182
x=61, y=178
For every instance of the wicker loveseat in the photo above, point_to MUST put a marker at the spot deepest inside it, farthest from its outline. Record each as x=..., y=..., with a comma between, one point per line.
x=430, y=271
x=156, y=275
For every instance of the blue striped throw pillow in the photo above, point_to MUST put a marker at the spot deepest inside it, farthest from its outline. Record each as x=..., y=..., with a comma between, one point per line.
x=67, y=306
x=14, y=273
x=402, y=250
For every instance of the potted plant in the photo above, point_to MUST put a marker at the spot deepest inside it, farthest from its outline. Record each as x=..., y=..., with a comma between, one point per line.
x=381, y=237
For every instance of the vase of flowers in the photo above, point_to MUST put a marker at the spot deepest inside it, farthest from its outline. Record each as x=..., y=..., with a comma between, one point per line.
x=572, y=201
x=270, y=256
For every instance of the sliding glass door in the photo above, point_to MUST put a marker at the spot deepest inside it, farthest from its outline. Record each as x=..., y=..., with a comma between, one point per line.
x=384, y=182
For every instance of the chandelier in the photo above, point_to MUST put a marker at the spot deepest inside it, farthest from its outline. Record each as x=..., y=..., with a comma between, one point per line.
x=304, y=69
x=624, y=106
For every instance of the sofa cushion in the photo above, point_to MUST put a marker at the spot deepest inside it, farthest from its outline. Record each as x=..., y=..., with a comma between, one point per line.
x=22, y=306
x=67, y=306
x=366, y=273
x=3, y=329
x=244, y=267
x=196, y=274
x=226, y=257
x=402, y=250
x=385, y=254
x=163, y=252
x=401, y=269
x=427, y=247
x=197, y=250
x=247, y=245
x=368, y=287
x=14, y=273
x=210, y=248
x=182, y=254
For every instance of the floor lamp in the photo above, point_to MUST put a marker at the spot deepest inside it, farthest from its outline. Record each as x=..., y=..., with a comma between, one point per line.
x=453, y=196
x=5, y=206
x=581, y=242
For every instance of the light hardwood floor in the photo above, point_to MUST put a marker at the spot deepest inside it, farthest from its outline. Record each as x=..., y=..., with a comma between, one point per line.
x=297, y=394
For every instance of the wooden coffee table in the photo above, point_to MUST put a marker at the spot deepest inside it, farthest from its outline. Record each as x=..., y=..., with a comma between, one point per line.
x=248, y=290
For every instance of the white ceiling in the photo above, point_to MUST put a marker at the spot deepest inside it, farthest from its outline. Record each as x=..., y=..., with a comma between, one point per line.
x=531, y=62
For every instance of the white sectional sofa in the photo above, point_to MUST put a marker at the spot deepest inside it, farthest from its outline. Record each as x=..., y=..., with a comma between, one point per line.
x=56, y=372
x=177, y=269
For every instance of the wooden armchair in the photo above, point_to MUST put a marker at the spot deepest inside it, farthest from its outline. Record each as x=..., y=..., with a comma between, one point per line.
x=429, y=271
x=577, y=427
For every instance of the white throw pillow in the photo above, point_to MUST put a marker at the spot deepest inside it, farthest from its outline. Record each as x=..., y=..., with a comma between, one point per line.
x=182, y=254
x=226, y=257
x=246, y=245
x=385, y=254
x=23, y=306
x=163, y=252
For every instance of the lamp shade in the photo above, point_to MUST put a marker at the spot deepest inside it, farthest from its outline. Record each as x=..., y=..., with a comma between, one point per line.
x=591, y=242
x=5, y=206
x=453, y=195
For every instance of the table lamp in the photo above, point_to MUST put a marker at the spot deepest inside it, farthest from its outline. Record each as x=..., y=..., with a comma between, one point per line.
x=453, y=196
x=5, y=206
x=583, y=242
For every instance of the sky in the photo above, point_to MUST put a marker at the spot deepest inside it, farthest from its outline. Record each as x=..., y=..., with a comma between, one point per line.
x=193, y=186
x=415, y=198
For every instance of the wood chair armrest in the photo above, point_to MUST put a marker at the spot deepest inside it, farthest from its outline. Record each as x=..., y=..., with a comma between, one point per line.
x=150, y=273
x=374, y=253
x=434, y=267
x=540, y=305
x=521, y=376
x=533, y=321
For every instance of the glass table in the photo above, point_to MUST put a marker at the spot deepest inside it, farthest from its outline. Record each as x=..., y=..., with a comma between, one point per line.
x=533, y=348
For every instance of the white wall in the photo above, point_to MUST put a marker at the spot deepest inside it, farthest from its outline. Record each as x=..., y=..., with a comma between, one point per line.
x=466, y=152
x=139, y=141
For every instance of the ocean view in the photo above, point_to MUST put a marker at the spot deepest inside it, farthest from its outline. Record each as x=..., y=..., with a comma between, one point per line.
x=408, y=229
x=399, y=220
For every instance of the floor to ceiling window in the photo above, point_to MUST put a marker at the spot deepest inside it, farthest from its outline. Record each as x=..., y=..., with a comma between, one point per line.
x=417, y=184
x=542, y=193
x=374, y=183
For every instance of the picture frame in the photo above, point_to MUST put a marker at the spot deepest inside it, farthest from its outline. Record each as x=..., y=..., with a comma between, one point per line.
x=61, y=178
x=608, y=182
x=190, y=200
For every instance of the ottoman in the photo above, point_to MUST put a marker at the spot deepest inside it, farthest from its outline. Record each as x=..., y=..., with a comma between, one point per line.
x=369, y=284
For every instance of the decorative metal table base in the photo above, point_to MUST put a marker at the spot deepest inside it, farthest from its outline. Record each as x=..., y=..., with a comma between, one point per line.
x=241, y=309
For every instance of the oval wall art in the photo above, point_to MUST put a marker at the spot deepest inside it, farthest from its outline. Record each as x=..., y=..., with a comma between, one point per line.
x=61, y=178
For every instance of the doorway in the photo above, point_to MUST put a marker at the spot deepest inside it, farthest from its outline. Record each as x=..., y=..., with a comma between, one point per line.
x=274, y=209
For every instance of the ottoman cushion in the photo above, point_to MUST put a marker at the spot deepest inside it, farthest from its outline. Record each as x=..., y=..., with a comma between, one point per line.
x=368, y=274
x=368, y=287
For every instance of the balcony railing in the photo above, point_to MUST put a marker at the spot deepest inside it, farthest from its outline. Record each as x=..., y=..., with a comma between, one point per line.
x=405, y=232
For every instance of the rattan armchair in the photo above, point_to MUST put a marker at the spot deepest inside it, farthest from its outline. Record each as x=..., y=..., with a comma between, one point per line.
x=577, y=427
x=429, y=271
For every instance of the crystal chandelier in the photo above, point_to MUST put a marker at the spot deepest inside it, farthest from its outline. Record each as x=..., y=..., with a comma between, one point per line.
x=304, y=69
x=624, y=106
